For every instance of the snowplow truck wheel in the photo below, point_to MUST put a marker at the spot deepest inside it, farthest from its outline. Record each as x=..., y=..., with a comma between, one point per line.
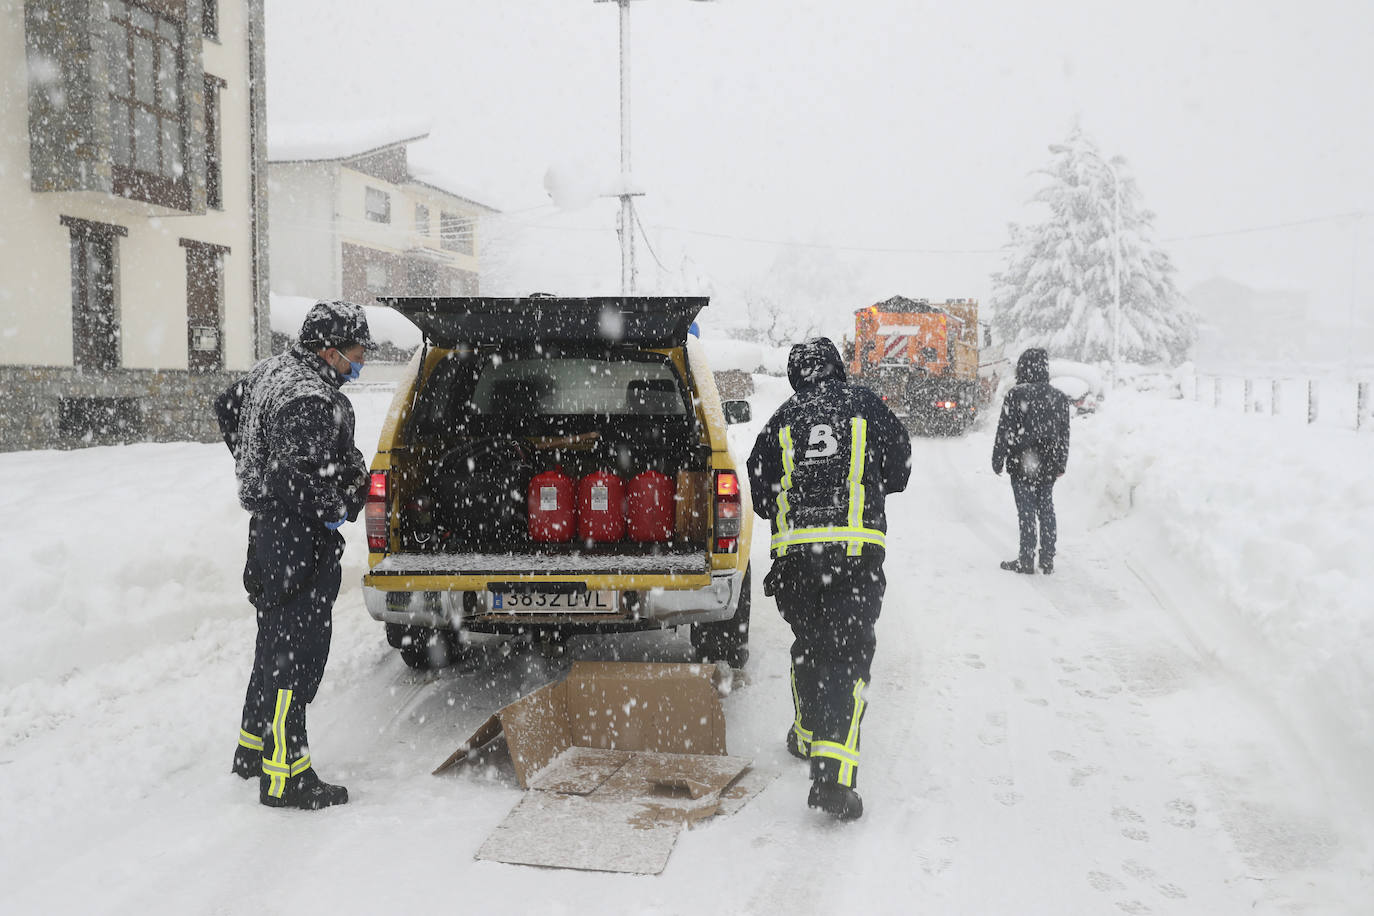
x=726, y=640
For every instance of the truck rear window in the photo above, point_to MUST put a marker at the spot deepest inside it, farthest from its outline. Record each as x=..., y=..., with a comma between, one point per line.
x=577, y=386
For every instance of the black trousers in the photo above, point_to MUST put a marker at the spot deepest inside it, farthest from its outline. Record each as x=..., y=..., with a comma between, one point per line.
x=292, y=576
x=832, y=602
x=1035, y=509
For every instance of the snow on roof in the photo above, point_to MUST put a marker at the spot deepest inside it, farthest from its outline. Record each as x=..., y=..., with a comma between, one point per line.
x=288, y=312
x=339, y=141
x=330, y=141
x=435, y=179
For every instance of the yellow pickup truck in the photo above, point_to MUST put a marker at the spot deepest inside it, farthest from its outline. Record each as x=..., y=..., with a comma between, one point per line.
x=555, y=466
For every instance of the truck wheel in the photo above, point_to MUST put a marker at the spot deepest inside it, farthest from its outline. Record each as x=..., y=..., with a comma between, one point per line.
x=397, y=635
x=726, y=640
x=423, y=648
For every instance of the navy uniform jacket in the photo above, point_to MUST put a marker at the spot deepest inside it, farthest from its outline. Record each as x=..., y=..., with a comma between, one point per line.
x=821, y=468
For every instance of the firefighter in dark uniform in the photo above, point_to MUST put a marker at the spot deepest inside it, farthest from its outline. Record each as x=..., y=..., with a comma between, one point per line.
x=290, y=429
x=820, y=471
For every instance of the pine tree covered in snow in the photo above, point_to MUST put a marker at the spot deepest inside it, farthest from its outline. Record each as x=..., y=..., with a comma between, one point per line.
x=1056, y=291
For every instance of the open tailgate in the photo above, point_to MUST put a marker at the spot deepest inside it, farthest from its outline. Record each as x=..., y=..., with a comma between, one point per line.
x=646, y=321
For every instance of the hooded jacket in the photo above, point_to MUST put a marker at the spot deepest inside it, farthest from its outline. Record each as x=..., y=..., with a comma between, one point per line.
x=822, y=466
x=1033, y=429
x=290, y=429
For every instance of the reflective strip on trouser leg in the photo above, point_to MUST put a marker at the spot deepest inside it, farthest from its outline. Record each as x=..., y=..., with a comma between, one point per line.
x=847, y=753
x=249, y=740
x=803, y=735
x=275, y=767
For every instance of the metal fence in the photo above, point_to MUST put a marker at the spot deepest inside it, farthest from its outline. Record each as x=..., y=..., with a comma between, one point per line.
x=1342, y=403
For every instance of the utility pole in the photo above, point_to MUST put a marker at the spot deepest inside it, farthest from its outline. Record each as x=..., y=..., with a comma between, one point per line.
x=1116, y=265
x=1116, y=274
x=627, y=225
x=626, y=219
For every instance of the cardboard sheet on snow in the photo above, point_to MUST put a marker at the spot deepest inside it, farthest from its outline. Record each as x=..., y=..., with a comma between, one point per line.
x=574, y=831
x=619, y=758
x=629, y=706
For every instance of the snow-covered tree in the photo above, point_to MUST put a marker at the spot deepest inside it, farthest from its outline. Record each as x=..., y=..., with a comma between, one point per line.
x=1057, y=288
x=807, y=290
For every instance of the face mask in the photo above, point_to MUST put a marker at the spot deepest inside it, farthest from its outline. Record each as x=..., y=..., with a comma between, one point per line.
x=354, y=370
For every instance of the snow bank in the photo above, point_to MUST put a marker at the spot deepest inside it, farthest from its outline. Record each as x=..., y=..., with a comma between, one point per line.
x=1279, y=519
x=725, y=353
x=385, y=324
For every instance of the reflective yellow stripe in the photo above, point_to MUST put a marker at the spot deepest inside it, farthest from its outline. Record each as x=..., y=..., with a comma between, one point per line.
x=300, y=766
x=785, y=539
x=836, y=751
x=249, y=740
x=804, y=735
x=785, y=444
x=848, y=753
x=276, y=767
x=858, y=450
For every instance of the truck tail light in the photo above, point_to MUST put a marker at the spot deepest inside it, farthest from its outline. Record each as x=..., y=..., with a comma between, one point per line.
x=729, y=510
x=377, y=511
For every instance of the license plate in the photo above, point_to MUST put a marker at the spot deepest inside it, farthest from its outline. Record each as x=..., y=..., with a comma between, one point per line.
x=535, y=602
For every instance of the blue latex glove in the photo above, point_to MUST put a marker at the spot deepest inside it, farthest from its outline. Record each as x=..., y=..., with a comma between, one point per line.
x=334, y=526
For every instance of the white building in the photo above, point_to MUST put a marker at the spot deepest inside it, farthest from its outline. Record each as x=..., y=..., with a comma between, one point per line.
x=353, y=219
x=133, y=275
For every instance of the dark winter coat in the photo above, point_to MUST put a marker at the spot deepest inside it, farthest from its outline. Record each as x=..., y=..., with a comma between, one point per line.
x=291, y=432
x=824, y=463
x=1033, y=430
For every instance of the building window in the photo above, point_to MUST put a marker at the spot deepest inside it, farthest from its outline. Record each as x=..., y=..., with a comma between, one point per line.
x=214, y=147
x=148, y=130
x=455, y=233
x=378, y=206
x=378, y=278
x=204, y=305
x=422, y=219
x=209, y=19
x=95, y=316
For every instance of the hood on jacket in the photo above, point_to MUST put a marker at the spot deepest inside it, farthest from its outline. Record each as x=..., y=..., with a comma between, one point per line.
x=813, y=361
x=1033, y=366
x=335, y=323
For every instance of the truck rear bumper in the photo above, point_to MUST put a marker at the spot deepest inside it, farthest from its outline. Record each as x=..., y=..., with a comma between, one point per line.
x=664, y=607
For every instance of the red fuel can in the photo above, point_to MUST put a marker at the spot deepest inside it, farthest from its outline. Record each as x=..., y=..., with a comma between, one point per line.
x=651, y=510
x=552, y=507
x=601, y=507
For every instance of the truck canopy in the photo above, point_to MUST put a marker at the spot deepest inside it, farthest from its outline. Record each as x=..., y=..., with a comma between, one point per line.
x=644, y=321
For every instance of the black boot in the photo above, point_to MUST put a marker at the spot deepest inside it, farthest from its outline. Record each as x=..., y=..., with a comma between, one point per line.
x=1019, y=567
x=832, y=798
x=247, y=762
x=1047, y=565
x=793, y=747
x=304, y=791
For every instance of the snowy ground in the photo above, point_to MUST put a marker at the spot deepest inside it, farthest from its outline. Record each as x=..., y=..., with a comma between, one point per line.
x=1179, y=721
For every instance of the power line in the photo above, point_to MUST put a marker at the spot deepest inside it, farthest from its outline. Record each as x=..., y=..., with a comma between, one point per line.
x=366, y=227
x=647, y=243
x=1335, y=217
x=819, y=245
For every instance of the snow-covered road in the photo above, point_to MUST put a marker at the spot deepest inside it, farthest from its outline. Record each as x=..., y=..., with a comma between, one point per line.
x=1057, y=745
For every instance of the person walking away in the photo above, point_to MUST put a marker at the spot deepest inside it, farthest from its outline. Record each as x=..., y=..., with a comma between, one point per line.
x=1033, y=443
x=820, y=471
x=290, y=429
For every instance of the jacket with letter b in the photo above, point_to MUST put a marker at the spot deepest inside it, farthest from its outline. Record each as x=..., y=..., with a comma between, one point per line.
x=821, y=468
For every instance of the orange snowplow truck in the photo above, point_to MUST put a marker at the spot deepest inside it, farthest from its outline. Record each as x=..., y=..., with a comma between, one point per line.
x=922, y=359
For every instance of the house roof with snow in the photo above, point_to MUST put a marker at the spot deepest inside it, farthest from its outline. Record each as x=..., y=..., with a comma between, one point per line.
x=346, y=141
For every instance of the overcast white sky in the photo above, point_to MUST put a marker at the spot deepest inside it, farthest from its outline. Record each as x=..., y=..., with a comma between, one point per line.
x=885, y=124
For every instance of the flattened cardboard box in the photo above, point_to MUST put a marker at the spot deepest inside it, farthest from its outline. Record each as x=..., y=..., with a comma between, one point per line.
x=620, y=756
